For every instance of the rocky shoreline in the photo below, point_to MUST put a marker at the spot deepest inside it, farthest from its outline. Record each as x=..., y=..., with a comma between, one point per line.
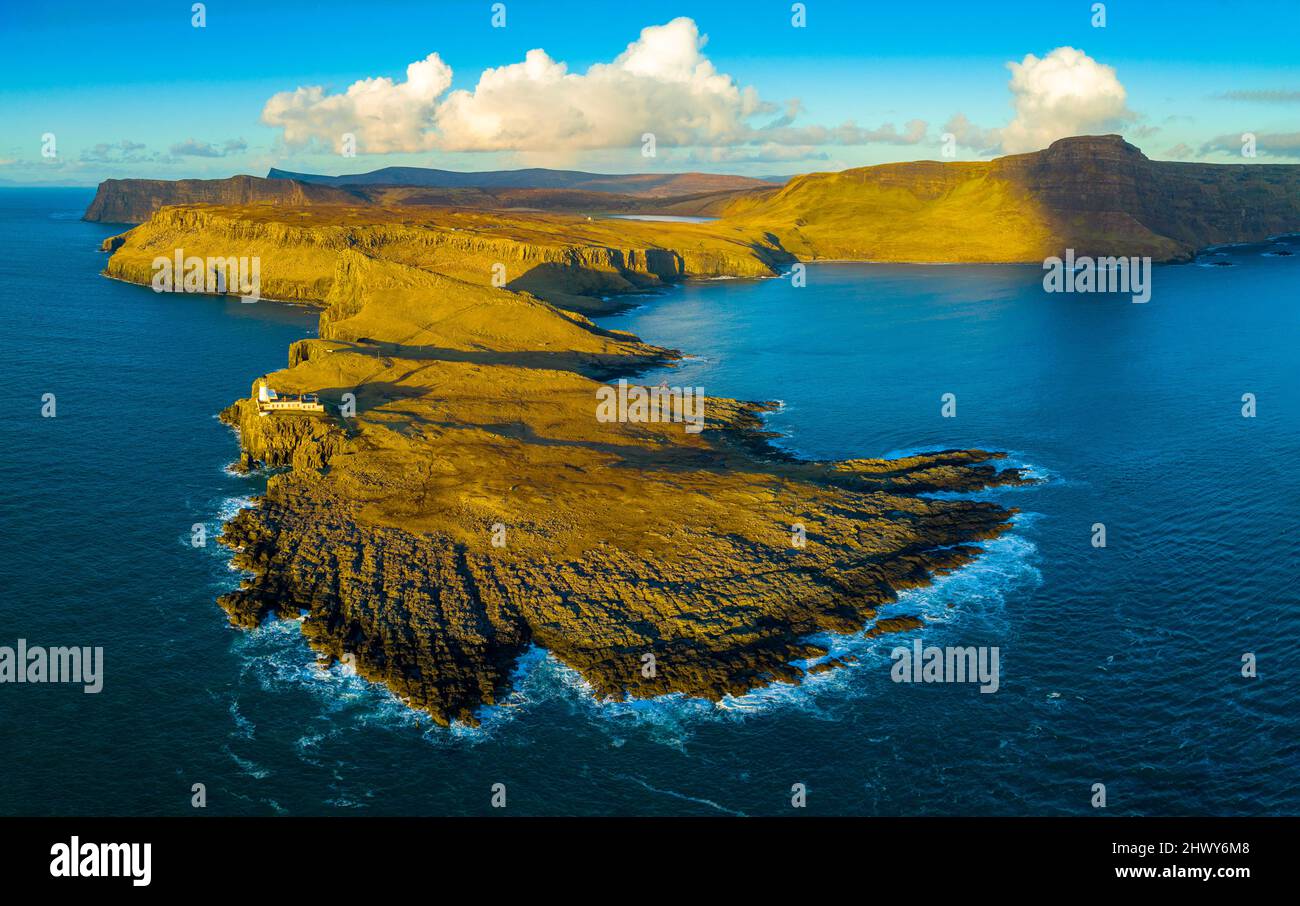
x=474, y=505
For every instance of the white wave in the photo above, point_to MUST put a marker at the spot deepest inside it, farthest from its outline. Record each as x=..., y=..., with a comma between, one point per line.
x=243, y=726
x=973, y=598
x=248, y=766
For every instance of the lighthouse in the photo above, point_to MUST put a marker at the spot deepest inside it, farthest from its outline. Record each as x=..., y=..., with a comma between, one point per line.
x=269, y=401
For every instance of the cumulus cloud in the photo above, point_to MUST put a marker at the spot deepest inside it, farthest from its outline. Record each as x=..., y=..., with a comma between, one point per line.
x=1055, y=96
x=123, y=152
x=1064, y=93
x=969, y=135
x=392, y=116
x=192, y=148
x=662, y=83
x=1180, y=151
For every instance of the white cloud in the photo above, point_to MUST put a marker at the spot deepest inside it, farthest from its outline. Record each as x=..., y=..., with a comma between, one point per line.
x=123, y=152
x=392, y=116
x=193, y=148
x=1064, y=93
x=969, y=135
x=662, y=83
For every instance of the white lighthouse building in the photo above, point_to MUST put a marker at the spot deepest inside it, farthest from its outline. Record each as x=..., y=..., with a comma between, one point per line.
x=269, y=401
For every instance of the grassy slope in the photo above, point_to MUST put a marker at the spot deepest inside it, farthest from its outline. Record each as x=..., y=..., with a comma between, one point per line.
x=968, y=215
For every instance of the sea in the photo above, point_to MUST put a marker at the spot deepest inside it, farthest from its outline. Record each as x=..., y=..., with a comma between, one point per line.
x=1163, y=666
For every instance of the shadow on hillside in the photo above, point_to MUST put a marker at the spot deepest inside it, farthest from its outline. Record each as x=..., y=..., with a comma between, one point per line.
x=600, y=366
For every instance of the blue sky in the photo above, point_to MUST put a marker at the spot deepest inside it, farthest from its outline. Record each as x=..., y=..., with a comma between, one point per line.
x=133, y=89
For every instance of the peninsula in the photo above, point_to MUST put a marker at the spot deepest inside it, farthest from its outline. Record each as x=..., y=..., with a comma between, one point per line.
x=466, y=503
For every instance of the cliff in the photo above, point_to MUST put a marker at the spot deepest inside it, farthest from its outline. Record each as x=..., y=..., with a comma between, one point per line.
x=474, y=504
x=135, y=200
x=572, y=262
x=1096, y=194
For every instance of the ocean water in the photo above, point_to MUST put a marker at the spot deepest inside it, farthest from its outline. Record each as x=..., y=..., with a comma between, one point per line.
x=1119, y=665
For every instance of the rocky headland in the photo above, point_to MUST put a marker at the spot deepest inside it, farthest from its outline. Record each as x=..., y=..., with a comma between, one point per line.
x=473, y=505
x=468, y=503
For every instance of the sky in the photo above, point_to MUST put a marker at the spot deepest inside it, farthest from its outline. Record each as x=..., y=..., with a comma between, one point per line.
x=90, y=91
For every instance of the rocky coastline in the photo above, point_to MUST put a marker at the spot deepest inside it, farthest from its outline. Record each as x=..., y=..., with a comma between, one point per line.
x=467, y=502
x=473, y=506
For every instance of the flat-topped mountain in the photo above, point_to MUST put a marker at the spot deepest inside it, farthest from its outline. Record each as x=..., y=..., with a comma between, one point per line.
x=1095, y=194
x=650, y=185
x=135, y=200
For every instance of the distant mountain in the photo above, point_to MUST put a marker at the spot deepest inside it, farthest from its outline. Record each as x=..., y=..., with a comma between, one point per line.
x=1096, y=194
x=135, y=200
x=646, y=185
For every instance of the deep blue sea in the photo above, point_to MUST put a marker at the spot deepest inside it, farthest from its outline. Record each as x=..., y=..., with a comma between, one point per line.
x=1119, y=665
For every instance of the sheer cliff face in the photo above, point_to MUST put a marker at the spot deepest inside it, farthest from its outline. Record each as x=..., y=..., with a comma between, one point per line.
x=572, y=262
x=135, y=200
x=1096, y=194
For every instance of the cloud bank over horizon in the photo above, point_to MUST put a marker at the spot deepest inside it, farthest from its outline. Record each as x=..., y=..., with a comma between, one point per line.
x=662, y=83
